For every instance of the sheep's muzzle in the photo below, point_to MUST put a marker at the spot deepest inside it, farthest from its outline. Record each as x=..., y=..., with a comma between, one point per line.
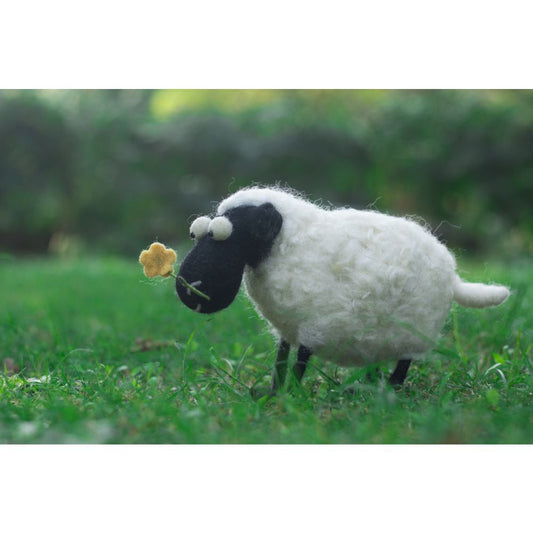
x=210, y=275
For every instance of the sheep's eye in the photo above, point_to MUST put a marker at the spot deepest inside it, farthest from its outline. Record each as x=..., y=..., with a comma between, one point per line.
x=199, y=227
x=220, y=228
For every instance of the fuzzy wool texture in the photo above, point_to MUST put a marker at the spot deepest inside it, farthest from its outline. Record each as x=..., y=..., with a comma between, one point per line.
x=354, y=286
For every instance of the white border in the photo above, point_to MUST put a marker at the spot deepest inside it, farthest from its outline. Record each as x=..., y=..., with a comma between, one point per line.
x=279, y=44
x=266, y=488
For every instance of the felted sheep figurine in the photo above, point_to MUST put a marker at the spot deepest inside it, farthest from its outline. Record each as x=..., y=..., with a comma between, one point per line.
x=355, y=287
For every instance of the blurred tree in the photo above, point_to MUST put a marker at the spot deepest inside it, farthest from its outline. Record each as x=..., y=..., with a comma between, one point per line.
x=457, y=156
x=121, y=168
x=36, y=173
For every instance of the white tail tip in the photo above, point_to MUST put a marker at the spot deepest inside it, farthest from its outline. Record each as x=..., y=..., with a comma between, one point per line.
x=478, y=294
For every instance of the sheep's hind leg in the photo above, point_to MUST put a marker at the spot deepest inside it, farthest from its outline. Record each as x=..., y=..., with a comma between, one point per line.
x=400, y=372
x=301, y=362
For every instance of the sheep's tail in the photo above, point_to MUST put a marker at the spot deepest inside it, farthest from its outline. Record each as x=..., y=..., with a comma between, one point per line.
x=478, y=294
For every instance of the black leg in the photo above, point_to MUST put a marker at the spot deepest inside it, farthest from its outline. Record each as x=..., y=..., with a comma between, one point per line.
x=400, y=372
x=301, y=362
x=280, y=366
x=278, y=375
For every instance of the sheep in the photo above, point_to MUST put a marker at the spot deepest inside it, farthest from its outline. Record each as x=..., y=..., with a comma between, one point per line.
x=355, y=287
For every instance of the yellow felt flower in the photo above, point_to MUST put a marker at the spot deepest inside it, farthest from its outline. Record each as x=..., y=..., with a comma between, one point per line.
x=158, y=260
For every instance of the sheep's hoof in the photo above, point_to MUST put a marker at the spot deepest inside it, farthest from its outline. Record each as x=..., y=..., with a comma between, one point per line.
x=400, y=373
x=396, y=384
x=258, y=393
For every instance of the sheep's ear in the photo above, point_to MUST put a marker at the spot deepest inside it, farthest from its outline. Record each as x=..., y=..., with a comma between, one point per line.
x=266, y=222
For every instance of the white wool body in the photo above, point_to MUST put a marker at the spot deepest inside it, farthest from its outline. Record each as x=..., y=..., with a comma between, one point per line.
x=353, y=286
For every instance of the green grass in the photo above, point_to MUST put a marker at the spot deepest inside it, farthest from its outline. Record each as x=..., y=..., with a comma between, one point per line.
x=93, y=352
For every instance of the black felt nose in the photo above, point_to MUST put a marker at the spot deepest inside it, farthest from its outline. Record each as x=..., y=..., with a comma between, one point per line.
x=187, y=294
x=219, y=267
x=198, y=301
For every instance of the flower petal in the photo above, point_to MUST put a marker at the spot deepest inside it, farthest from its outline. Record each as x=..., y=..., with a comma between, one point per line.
x=158, y=260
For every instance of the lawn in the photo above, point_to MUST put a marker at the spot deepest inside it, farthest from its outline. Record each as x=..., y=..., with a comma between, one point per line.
x=93, y=352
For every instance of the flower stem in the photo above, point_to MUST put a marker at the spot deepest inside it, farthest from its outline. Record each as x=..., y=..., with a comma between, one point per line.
x=182, y=281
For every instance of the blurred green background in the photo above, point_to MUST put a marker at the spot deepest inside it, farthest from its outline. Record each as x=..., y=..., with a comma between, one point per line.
x=109, y=171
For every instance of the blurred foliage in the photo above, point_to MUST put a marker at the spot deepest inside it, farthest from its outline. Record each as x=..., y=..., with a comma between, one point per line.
x=113, y=170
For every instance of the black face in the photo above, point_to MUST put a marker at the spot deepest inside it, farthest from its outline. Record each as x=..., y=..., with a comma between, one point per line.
x=215, y=267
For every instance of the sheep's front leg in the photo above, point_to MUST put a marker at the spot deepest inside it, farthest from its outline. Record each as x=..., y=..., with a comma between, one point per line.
x=280, y=366
x=400, y=372
x=278, y=375
x=301, y=362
